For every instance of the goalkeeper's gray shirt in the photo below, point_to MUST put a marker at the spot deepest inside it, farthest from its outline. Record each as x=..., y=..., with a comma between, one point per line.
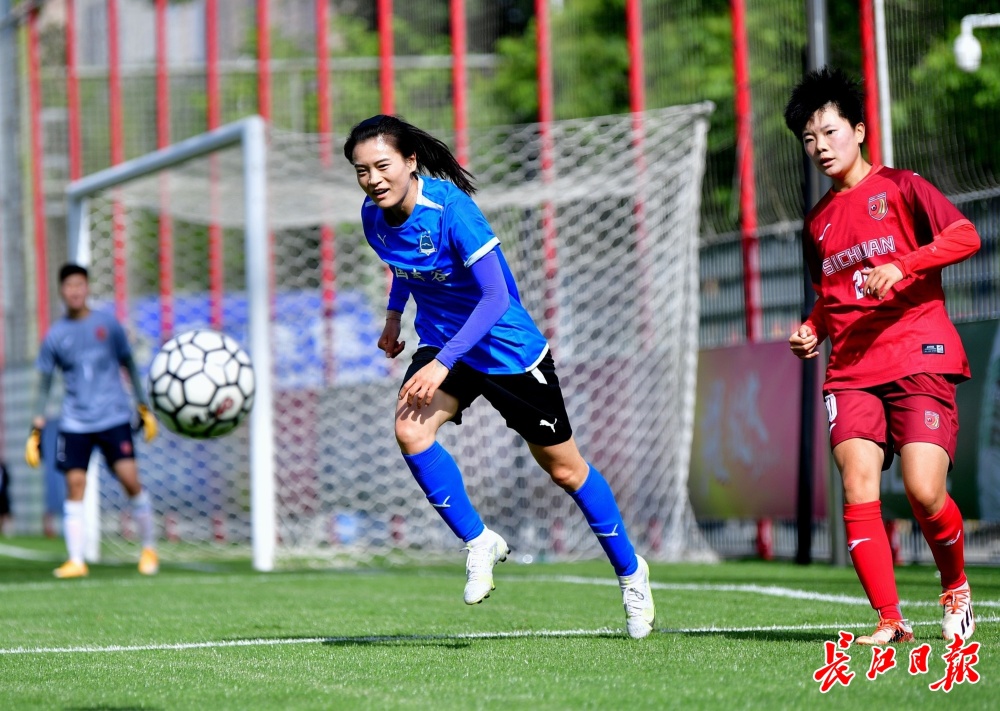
x=90, y=352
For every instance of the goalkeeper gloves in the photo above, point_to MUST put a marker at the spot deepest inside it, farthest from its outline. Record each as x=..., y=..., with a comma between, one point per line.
x=147, y=420
x=33, y=448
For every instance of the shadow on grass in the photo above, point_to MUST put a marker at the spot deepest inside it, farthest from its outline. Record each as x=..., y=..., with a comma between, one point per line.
x=443, y=643
x=466, y=640
x=762, y=635
x=462, y=641
x=457, y=640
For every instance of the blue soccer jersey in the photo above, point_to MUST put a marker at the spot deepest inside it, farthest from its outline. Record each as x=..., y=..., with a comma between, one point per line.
x=432, y=252
x=89, y=352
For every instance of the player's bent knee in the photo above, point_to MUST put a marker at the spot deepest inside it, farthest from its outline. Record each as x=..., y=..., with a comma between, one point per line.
x=568, y=477
x=860, y=486
x=413, y=437
x=926, y=500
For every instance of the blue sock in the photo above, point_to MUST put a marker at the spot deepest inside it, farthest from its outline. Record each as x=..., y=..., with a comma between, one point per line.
x=438, y=475
x=601, y=511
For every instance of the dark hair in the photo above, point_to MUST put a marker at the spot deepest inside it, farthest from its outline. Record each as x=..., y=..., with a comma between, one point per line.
x=820, y=88
x=433, y=156
x=68, y=270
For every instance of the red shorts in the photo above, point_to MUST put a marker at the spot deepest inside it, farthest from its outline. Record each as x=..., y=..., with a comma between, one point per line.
x=917, y=408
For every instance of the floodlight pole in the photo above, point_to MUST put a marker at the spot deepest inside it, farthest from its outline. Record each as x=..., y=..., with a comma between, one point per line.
x=971, y=22
x=968, y=52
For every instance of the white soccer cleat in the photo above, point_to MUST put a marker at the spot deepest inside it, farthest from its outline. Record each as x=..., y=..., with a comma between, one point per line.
x=958, y=619
x=887, y=632
x=637, y=597
x=489, y=549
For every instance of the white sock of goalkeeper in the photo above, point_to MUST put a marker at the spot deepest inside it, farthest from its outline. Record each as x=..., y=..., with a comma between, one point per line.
x=73, y=530
x=142, y=511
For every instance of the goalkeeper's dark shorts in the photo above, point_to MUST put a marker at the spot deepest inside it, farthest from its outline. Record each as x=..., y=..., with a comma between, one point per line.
x=73, y=449
x=531, y=403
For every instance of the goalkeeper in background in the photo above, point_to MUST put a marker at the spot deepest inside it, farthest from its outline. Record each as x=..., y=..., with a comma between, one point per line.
x=875, y=246
x=90, y=348
x=475, y=339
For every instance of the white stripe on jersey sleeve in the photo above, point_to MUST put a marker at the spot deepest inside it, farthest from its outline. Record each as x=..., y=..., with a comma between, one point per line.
x=482, y=252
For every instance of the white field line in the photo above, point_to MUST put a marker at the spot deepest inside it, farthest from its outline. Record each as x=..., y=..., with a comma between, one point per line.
x=213, y=579
x=186, y=581
x=210, y=579
x=27, y=553
x=389, y=639
x=766, y=590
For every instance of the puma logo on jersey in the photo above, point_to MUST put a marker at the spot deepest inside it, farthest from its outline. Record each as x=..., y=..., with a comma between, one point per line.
x=552, y=424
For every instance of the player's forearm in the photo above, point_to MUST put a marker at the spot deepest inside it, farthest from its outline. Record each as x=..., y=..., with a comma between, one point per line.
x=493, y=304
x=399, y=294
x=957, y=242
x=42, y=395
x=817, y=319
x=137, y=385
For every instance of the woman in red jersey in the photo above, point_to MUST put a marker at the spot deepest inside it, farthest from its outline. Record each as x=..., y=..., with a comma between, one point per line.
x=875, y=246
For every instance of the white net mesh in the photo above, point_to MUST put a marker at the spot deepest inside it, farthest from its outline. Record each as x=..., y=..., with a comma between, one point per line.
x=605, y=251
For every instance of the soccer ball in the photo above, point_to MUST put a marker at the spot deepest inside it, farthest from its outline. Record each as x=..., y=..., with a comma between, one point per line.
x=201, y=384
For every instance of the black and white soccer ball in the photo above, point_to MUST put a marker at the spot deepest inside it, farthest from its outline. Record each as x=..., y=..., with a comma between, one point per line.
x=201, y=384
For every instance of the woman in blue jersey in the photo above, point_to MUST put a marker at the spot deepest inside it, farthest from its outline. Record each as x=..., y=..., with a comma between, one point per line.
x=475, y=339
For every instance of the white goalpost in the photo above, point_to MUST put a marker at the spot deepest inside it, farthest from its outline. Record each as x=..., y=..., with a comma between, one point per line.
x=249, y=134
x=211, y=232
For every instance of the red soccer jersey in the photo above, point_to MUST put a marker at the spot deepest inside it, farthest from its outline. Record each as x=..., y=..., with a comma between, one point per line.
x=887, y=215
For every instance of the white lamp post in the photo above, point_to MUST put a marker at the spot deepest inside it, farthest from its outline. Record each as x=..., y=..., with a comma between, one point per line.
x=968, y=51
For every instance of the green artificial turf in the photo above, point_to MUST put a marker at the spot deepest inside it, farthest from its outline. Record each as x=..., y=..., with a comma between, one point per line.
x=733, y=635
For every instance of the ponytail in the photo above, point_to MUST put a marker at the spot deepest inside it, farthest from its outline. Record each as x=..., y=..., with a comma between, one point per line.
x=433, y=156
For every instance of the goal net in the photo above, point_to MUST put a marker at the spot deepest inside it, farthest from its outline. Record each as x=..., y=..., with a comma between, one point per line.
x=598, y=219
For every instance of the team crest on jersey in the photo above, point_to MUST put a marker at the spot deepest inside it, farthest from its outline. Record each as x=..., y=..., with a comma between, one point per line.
x=426, y=244
x=932, y=419
x=101, y=332
x=878, y=206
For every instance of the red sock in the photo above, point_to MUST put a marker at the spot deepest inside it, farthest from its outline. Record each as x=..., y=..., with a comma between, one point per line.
x=868, y=545
x=944, y=534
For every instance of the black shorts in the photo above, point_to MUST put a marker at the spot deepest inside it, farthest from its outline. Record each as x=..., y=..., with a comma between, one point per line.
x=531, y=403
x=73, y=449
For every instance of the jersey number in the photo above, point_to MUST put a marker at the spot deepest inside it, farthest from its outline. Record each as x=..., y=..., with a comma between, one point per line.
x=859, y=281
